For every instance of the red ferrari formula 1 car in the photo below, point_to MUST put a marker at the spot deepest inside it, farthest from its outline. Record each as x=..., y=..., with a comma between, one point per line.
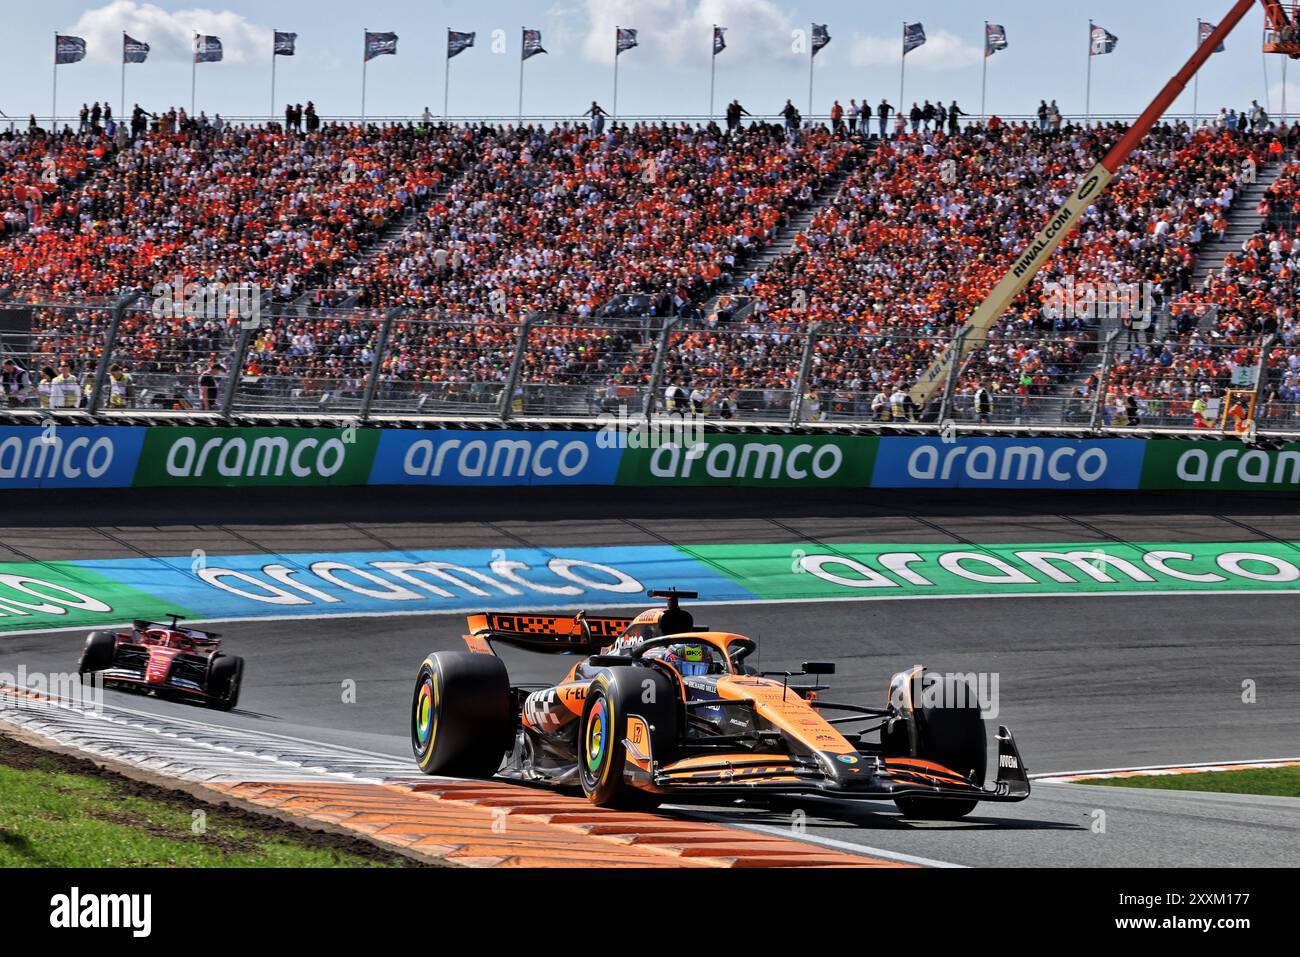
x=166, y=660
x=659, y=708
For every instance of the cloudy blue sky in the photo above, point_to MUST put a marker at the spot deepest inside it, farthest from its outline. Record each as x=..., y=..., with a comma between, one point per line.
x=667, y=74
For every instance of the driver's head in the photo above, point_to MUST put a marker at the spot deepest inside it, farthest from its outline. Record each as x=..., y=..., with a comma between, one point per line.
x=692, y=660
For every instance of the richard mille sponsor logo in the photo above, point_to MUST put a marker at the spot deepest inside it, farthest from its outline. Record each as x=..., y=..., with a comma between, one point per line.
x=75, y=910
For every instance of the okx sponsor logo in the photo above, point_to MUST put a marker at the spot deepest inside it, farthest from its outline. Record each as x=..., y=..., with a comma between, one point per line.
x=906, y=462
x=753, y=460
x=491, y=457
x=205, y=457
x=1221, y=465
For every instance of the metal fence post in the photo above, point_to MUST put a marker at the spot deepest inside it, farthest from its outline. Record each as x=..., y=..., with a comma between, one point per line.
x=1103, y=376
x=106, y=357
x=657, y=367
x=805, y=366
x=381, y=346
x=1261, y=375
x=234, y=372
x=958, y=347
x=516, y=368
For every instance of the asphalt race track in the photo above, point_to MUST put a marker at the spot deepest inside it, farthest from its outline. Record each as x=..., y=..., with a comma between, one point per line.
x=1085, y=683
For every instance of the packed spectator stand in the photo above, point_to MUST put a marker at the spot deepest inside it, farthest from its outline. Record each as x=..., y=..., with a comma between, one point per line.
x=582, y=271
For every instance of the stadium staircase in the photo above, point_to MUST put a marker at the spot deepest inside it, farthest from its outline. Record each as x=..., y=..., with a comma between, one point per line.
x=783, y=242
x=1243, y=222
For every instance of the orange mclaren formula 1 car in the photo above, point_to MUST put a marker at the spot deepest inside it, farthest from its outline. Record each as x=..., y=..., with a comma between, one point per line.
x=660, y=709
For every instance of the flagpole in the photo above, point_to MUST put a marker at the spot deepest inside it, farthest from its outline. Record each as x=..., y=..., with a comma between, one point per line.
x=365, y=62
x=1268, y=99
x=121, y=111
x=521, y=76
x=902, y=71
x=812, y=55
x=194, y=72
x=1087, y=103
x=984, y=80
x=271, y=115
x=54, y=95
x=1196, y=85
x=713, y=66
x=446, y=75
x=614, y=117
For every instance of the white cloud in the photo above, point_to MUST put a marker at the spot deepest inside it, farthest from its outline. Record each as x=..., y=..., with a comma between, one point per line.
x=170, y=34
x=942, y=51
x=674, y=32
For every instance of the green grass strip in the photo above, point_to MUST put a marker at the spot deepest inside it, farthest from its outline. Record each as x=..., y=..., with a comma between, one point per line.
x=1280, y=782
x=52, y=817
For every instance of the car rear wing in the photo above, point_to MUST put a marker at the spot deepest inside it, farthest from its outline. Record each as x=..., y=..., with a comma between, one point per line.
x=194, y=634
x=576, y=634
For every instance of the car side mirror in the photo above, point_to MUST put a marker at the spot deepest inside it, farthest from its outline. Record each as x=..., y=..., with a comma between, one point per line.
x=819, y=667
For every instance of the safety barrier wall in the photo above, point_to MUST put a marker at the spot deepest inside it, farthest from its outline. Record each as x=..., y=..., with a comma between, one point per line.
x=151, y=457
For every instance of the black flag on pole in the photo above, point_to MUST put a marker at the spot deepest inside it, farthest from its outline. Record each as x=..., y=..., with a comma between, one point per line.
x=458, y=42
x=625, y=40
x=134, y=51
x=913, y=37
x=532, y=43
x=995, y=38
x=820, y=37
x=285, y=43
x=380, y=44
x=1205, y=29
x=69, y=49
x=719, y=41
x=207, y=49
x=1102, y=41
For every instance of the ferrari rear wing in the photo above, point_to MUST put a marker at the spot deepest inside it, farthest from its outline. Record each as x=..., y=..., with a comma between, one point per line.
x=576, y=634
x=203, y=637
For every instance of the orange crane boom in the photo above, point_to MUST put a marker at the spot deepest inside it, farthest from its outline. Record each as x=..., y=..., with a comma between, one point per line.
x=1034, y=256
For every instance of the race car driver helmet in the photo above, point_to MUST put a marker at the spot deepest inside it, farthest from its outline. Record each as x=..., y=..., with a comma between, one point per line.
x=690, y=660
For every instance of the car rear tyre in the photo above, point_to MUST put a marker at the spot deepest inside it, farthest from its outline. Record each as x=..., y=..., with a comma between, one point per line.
x=225, y=675
x=462, y=719
x=947, y=734
x=97, y=655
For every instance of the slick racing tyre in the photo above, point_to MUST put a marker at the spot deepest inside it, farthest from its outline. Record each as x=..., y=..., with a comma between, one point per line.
x=98, y=653
x=951, y=735
x=602, y=755
x=225, y=675
x=462, y=723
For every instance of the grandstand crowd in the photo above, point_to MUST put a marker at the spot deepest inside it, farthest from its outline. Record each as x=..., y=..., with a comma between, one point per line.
x=597, y=236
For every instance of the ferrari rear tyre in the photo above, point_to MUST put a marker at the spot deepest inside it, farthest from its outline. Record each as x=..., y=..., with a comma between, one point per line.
x=97, y=655
x=950, y=733
x=462, y=722
x=225, y=675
